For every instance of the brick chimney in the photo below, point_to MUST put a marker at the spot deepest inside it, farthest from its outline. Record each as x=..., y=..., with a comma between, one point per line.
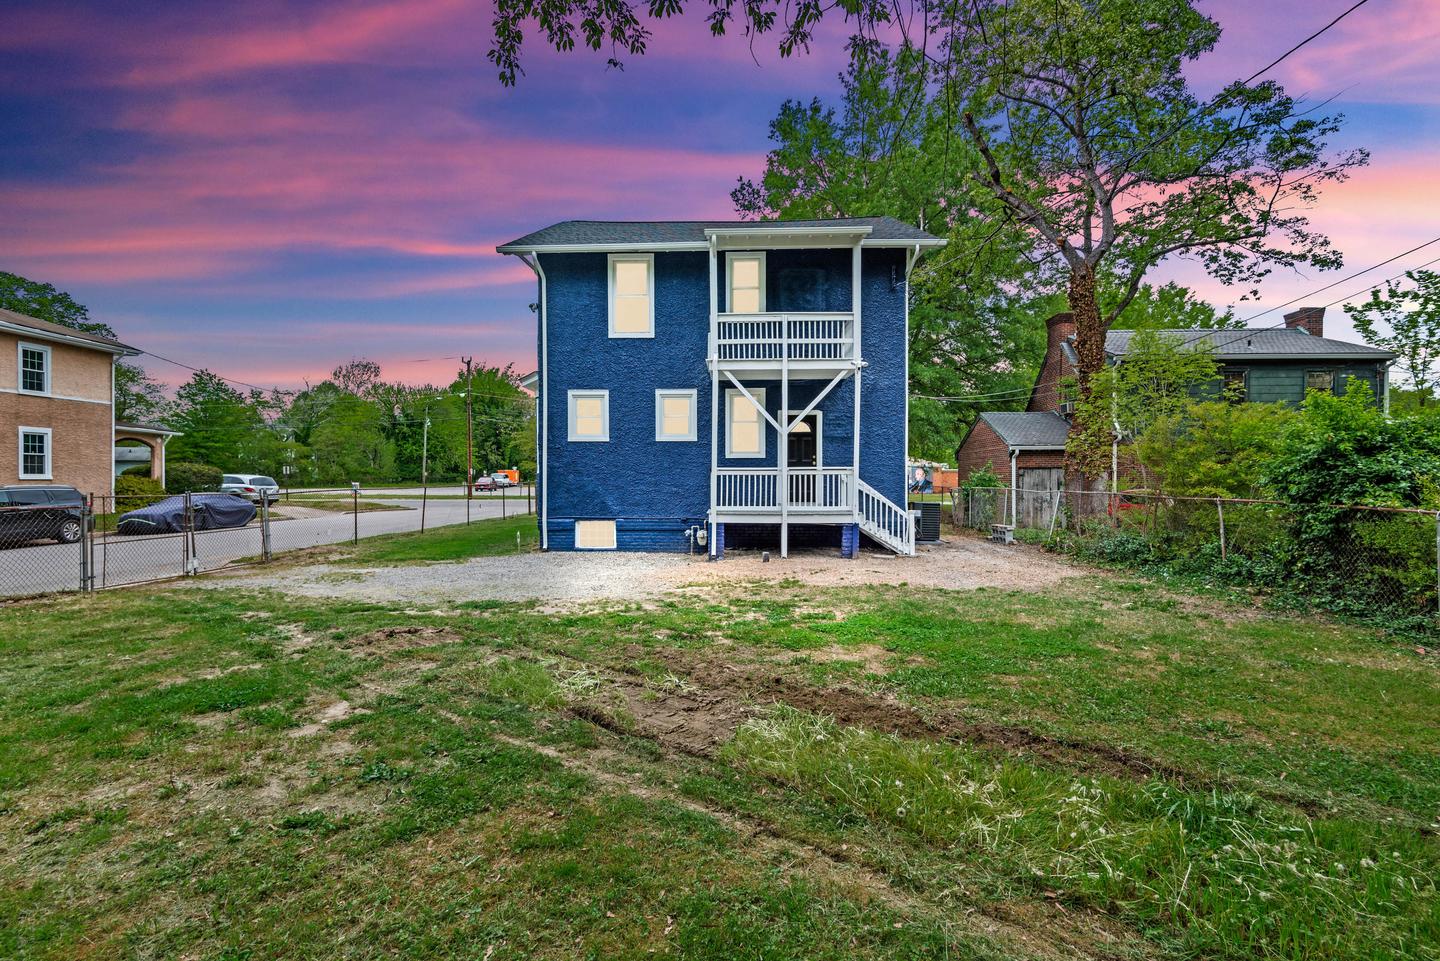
x=1309, y=319
x=1046, y=394
x=1059, y=327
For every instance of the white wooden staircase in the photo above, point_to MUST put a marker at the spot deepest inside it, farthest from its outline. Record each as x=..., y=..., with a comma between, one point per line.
x=884, y=522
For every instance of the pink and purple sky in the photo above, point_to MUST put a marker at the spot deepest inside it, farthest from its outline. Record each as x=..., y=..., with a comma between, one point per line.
x=319, y=181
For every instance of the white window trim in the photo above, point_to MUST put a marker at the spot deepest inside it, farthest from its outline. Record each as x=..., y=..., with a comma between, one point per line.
x=611, y=261
x=690, y=395
x=759, y=394
x=49, y=453
x=20, y=349
x=614, y=534
x=575, y=395
x=730, y=258
x=819, y=416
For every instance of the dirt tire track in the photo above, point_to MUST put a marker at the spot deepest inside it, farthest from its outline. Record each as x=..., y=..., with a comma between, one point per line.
x=1003, y=925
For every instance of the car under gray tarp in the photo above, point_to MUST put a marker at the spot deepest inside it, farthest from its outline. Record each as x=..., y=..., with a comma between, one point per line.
x=209, y=512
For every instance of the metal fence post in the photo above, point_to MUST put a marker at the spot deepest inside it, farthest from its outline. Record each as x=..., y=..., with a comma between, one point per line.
x=187, y=530
x=1220, y=512
x=355, y=511
x=86, y=513
x=264, y=528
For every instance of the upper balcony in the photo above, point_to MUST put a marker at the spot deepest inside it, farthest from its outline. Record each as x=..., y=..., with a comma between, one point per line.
x=810, y=344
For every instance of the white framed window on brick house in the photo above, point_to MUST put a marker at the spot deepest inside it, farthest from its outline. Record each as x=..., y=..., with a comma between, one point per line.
x=35, y=453
x=744, y=425
x=33, y=368
x=745, y=283
x=675, y=415
x=632, y=295
x=589, y=415
x=595, y=535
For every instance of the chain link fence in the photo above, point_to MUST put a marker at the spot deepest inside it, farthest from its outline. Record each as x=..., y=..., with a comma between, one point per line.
x=72, y=542
x=1355, y=560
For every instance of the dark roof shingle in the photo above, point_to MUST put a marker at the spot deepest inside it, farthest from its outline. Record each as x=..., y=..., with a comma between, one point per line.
x=45, y=327
x=1045, y=429
x=584, y=233
x=1266, y=342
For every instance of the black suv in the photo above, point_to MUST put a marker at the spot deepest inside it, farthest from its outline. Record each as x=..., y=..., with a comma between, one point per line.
x=34, y=513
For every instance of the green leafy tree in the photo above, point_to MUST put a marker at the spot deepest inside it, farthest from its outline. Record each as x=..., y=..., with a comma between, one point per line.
x=350, y=443
x=1088, y=135
x=1172, y=306
x=138, y=396
x=1159, y=376
x=218, y=425
x=976, y=317
x=1213, y=448
x=1405, y=319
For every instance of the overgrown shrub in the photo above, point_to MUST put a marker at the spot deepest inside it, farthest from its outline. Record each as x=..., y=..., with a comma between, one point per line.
x=982, y=478
x=184, y=476
x=133, y=492
x=139, y=470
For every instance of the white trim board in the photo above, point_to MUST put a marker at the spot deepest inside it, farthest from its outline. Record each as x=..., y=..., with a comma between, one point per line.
x=78, y=400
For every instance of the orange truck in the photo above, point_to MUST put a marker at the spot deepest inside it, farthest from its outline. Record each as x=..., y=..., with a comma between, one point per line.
x=509, y=472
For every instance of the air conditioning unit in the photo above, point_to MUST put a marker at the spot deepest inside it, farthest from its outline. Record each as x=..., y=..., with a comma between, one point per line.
x=1067, y=408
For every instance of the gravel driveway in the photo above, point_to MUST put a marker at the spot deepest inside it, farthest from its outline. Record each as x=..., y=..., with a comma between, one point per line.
x=566, y=578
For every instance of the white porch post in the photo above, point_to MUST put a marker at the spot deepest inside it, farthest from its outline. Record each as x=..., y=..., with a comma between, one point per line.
x=714, y=363
x=855, y=329
x=782, y=445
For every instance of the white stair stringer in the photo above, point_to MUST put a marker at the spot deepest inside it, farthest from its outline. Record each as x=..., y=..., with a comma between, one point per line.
x=884, y=522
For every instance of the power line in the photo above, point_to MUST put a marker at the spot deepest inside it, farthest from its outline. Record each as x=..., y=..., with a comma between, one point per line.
x=1281, y=59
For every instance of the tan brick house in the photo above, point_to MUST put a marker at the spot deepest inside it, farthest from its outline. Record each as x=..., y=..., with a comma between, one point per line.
x=57, y=418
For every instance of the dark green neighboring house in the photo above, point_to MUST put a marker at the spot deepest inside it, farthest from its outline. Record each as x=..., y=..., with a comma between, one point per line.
x=1261, y=365
x=1265, y=365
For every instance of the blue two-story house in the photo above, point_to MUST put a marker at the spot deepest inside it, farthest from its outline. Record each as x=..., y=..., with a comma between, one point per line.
x=697, y=376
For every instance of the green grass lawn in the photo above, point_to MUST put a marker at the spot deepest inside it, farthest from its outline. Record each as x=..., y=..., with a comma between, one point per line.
x=772, y=771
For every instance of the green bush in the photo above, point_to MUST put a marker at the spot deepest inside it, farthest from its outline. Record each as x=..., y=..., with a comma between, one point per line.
x=133, y=492
x=139, y=470
x=983, y=477
x=184, y=476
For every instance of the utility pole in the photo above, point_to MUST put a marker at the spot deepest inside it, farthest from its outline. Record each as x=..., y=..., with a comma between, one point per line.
x=469, y=440
x=424, y=467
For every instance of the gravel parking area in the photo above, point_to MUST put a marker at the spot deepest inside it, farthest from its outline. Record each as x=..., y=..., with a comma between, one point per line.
x=564, y=579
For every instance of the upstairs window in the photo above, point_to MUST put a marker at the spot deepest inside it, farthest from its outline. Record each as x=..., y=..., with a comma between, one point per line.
x=34, y=369
x=675, y=415
x=1319, y=380
x=632, y=295
x=34, y=453
x=589, y=415
x=744, y=426
x=745, y=280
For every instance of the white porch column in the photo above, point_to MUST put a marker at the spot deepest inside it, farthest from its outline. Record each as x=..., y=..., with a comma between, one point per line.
x=857, y=356
x=782, y=445
x=714, y=364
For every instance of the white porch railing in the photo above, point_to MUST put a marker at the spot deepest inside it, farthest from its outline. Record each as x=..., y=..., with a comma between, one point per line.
x=752, y=337
x=757, y=489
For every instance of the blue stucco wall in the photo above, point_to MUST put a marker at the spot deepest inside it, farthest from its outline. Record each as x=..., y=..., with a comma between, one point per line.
x=640, y=482
x=656, y=490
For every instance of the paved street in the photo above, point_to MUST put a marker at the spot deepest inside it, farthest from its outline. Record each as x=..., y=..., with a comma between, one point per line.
x=123, y=560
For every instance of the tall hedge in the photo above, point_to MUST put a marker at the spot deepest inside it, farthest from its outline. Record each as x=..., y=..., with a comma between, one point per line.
x=183, y=476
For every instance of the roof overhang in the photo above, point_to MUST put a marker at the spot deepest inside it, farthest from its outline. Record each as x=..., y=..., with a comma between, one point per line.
x=30, y=333
x=150, y=431
x=740, y=238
